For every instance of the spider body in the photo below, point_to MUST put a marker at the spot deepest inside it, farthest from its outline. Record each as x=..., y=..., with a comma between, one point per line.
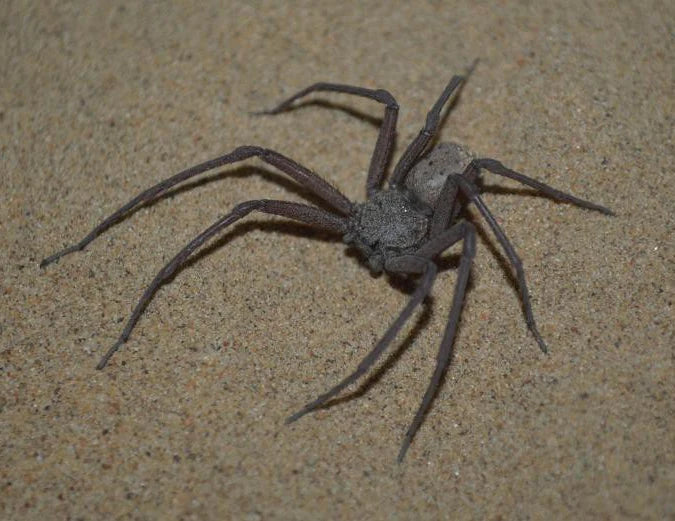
x=397, y=221
x=389, y=224
x=428, y=176
x=401, y=229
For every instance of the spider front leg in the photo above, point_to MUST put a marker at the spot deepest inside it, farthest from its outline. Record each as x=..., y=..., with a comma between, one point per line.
x=296, y=171
x=385, y=138
x=405, y=264
x=419, y=144
x=495, y=167
x=465, y=232
x=296, y=211
x=471, y=193
x=466, y=180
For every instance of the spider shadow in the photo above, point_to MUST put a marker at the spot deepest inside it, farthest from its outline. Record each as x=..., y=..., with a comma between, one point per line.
x=291, y=228
x=331, y=105
x=489, y=239
x=405, y=285
x=421, y=321
x=239, y=172
x=288, y=228
x=270, y=176
x=377, y=121
x=374, y=120
x=505, y=190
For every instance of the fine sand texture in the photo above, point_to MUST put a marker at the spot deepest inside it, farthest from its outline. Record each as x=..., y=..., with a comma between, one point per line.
x=100, y=100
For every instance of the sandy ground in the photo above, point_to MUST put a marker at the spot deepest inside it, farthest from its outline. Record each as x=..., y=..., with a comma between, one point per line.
x=100, y=100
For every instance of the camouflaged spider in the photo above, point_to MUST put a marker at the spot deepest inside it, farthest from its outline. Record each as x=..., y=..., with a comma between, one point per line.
x=401, y=229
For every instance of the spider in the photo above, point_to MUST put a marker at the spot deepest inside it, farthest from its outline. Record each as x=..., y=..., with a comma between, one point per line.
x=400, y=229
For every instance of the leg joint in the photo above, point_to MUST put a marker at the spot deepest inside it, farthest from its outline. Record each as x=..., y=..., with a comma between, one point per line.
x=385, y=97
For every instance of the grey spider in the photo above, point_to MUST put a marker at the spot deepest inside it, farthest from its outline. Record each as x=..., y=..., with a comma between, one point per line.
x=401, y=229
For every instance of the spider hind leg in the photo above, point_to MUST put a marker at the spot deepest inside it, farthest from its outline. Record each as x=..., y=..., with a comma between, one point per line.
x=466, y=232
x=402, y=264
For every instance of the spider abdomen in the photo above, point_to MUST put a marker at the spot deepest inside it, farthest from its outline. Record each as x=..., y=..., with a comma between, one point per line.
x=427, y=177
x=392, y=222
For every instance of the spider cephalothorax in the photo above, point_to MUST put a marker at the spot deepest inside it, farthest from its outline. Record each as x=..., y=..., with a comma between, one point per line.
x=390, y=223
x=400, y=229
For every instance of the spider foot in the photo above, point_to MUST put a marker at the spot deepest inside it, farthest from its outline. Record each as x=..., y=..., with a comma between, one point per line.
x=296, y=416
x=306, y=409
x=106, y=357
x=539, y=339
x=404, y=449
x=263, y=112
x=281, y=107
x=56, y=256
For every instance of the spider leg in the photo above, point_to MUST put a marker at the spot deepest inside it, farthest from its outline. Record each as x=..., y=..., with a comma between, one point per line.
x=385, y=138
x=403, y=264
x=494, y=166
x=296, y=171
x=471, y=192
x=300, y=212
x=417, y=146
x=465, y=231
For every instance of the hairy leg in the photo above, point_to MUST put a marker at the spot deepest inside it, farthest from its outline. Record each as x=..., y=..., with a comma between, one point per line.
x=471, y=193
x=299, y=212
x=417, y=146
x=385, y=138
x=494, y=166
x=403, y=264
x=466, y=232
x=296, y=171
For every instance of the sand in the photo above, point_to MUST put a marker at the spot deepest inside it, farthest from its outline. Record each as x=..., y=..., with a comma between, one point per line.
x=101, y=100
